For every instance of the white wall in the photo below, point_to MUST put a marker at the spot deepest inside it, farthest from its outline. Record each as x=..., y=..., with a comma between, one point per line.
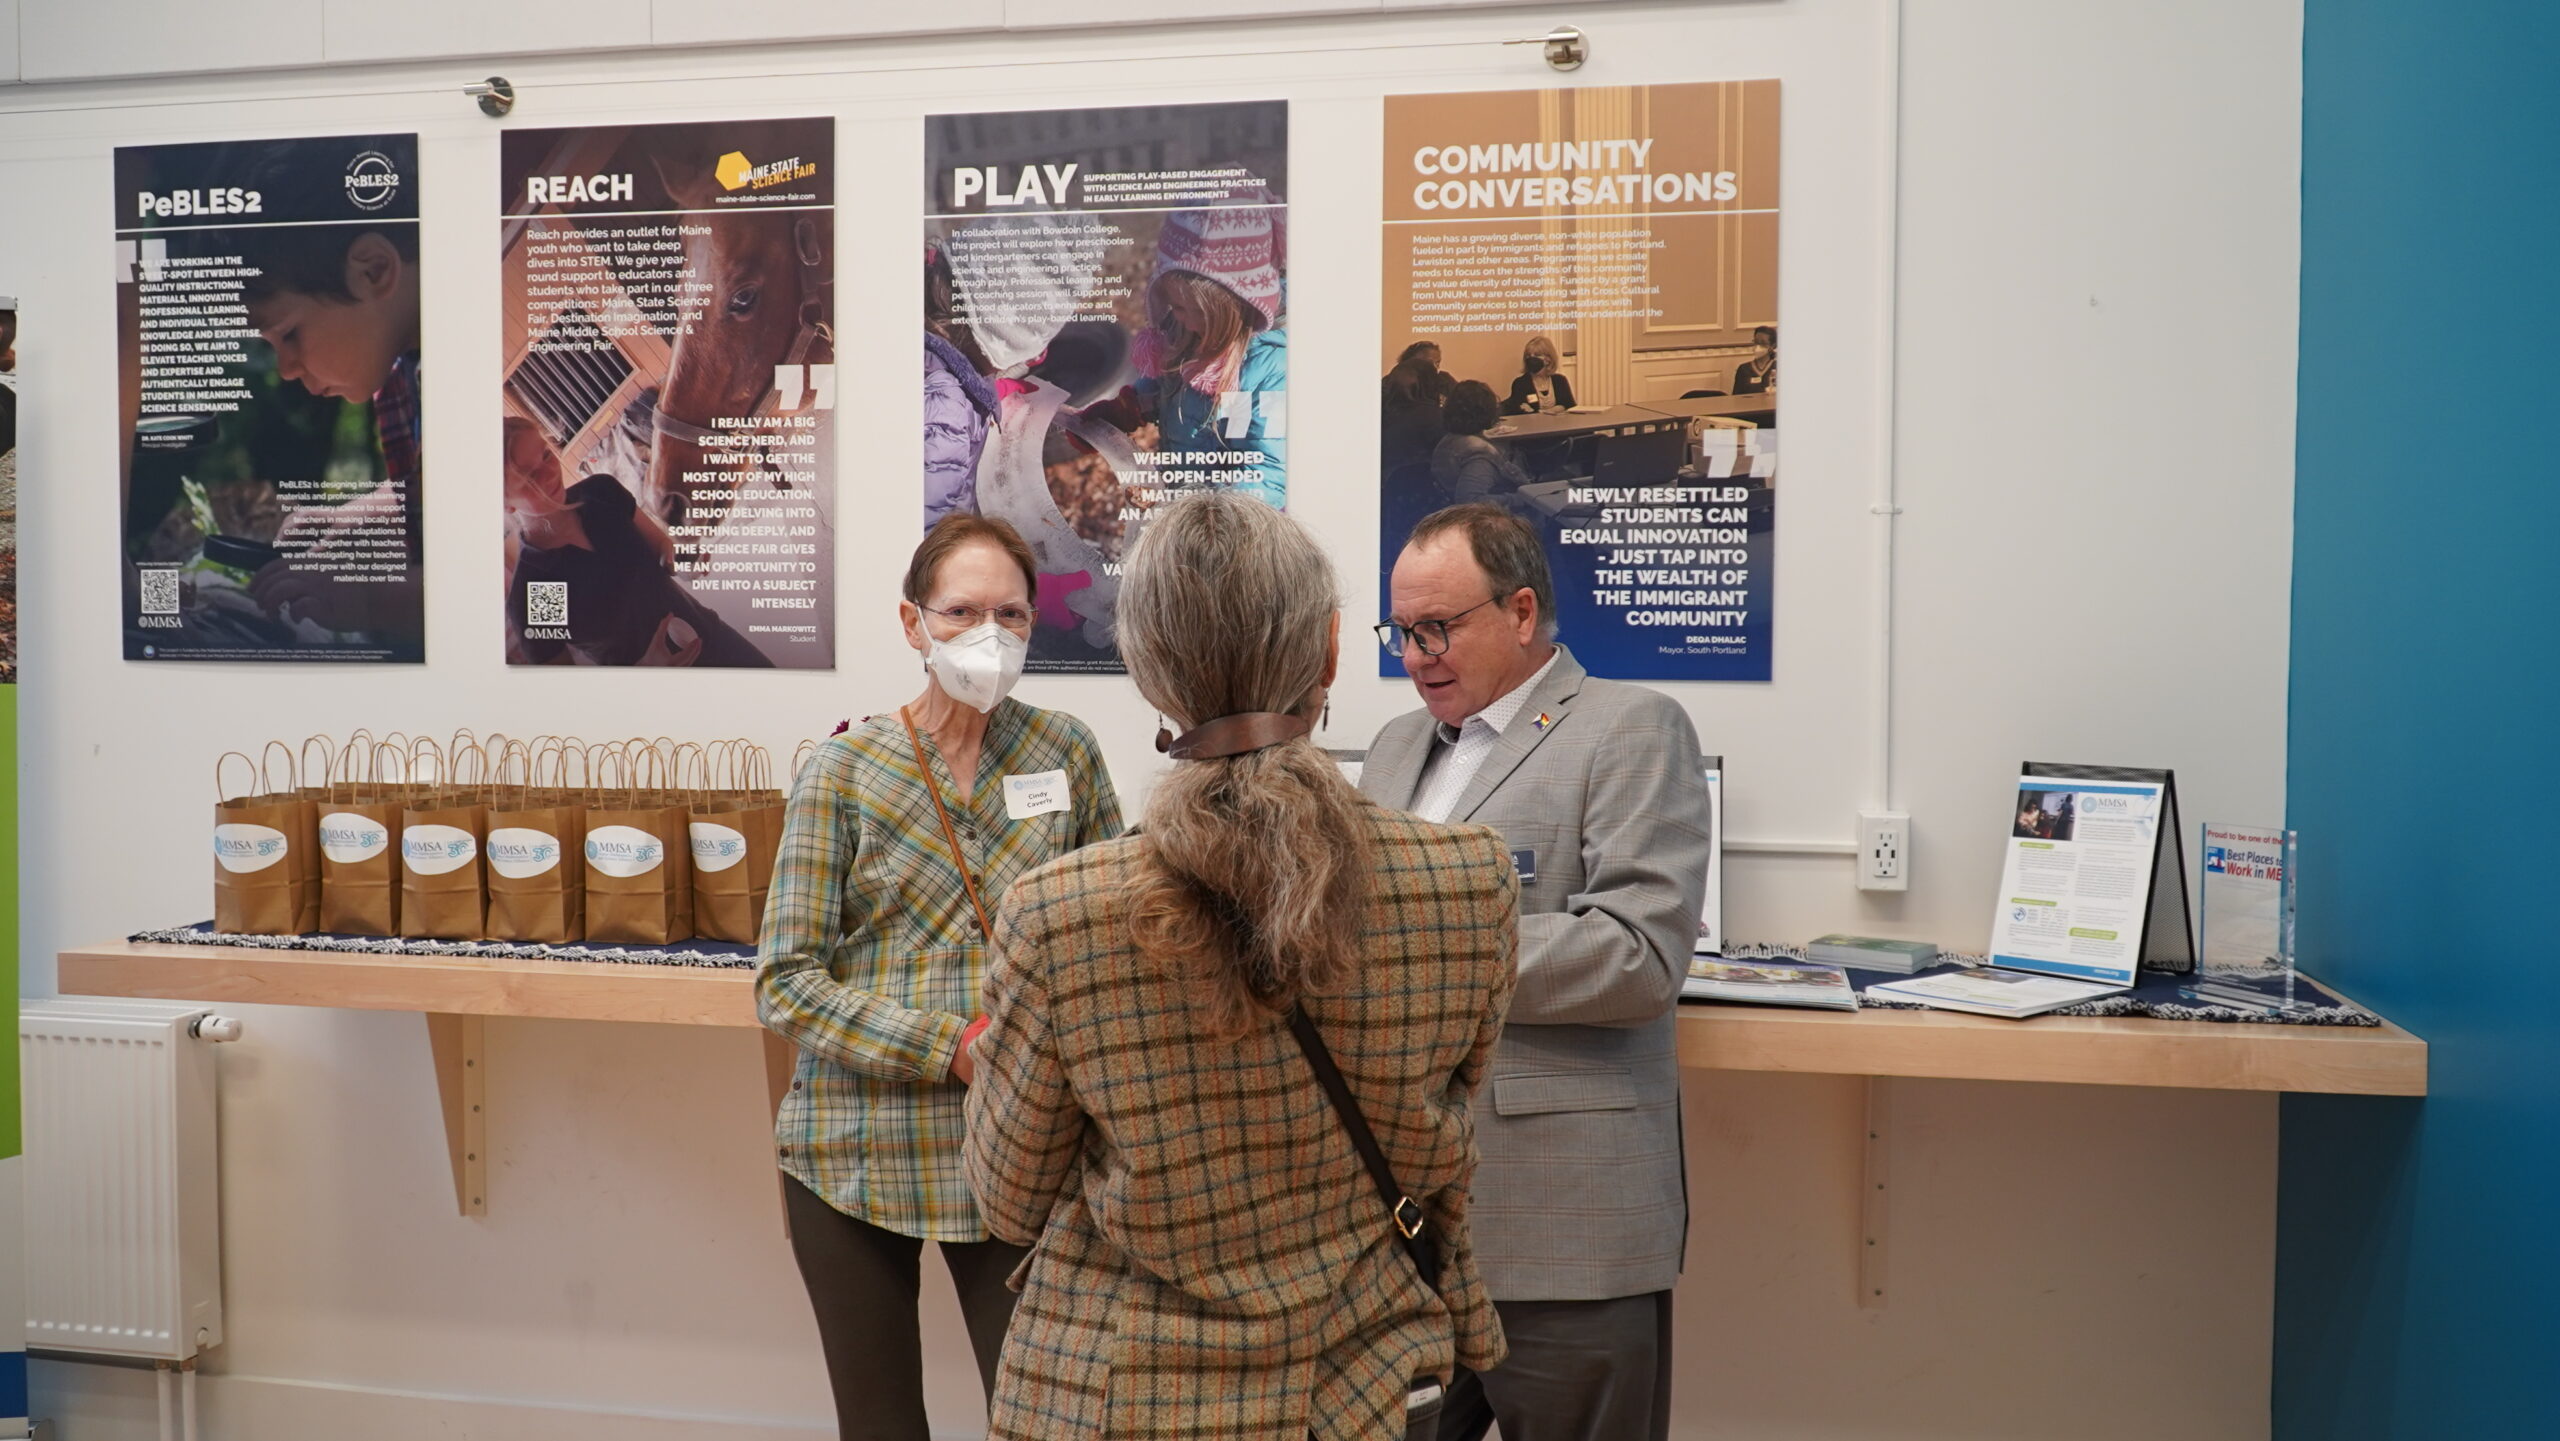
x=96, y=39
x=2084, y=188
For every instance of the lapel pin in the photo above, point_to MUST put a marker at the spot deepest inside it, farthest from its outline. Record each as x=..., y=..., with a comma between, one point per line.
x=1543, y=721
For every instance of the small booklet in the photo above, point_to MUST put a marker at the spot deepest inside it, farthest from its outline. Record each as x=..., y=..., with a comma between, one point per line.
x=1987, y=991
x=1769, y=983
x=1871, y=953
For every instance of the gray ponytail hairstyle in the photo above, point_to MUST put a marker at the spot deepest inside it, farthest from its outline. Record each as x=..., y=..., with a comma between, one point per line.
x=1257, y=865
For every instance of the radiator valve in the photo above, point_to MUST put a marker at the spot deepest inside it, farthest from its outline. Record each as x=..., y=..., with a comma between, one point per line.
x=215, y=1028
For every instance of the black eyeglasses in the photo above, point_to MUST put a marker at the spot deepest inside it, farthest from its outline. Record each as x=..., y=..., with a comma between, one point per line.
x=1431, y=635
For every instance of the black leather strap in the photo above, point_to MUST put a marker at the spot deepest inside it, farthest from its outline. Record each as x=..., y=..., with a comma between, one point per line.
x=1403, y=1212
x=1239, y=734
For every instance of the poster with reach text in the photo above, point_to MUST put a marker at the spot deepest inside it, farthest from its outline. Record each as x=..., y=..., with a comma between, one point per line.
x=1581, y=327
x=1105, y=328
x=670, y=394
x=268, y=400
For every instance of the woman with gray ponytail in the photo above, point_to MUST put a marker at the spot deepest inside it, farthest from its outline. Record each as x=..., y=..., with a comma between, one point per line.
x=1223, y=1085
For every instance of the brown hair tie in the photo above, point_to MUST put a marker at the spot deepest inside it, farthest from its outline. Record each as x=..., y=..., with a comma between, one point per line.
x=1235, y=735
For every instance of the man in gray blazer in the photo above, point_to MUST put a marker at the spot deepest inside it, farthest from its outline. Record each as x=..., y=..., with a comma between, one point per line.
x=1580, y=1203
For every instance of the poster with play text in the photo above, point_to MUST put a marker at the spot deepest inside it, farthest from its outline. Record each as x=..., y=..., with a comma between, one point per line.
x=1106, y=328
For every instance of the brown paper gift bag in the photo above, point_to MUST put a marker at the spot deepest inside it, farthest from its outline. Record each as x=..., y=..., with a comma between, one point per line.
x=304, y=774
x=303, y=856
x=443, y=888
x=536, y=851
x=639, y=877
x=264, y=880
x=360, y=842
x=736, y=834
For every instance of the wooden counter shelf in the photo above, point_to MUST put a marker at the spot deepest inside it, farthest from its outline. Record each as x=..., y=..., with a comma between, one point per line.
x=2204, y=1055
x=446, y=985
x=457, y=995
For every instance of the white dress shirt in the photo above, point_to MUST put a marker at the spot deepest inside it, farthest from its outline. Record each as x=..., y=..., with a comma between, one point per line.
x=1457, y=753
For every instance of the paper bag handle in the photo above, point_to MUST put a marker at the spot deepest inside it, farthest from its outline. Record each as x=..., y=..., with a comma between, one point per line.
x=217, y=776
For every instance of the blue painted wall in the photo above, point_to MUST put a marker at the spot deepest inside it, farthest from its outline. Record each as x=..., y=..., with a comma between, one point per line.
x=2418, y=1268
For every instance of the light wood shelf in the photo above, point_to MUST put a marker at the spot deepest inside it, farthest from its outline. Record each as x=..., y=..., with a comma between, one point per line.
x=2202, y=1055
x=2380, y=1060
x=444, y=985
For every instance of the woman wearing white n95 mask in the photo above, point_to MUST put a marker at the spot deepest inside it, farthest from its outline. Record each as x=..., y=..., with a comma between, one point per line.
x=902, y=836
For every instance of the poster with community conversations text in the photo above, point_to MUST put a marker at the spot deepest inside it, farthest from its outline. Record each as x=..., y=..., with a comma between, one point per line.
x=1105, y=329
x=670, y=394
x=1581, y=326
x=268, y=402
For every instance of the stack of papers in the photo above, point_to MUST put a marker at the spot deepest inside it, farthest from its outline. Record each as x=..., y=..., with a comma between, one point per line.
x=1989, y=992
x=1870, y=953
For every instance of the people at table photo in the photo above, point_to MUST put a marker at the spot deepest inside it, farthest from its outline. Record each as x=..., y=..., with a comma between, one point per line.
x=1409, y=414
x=1212, y=1255
x=1427, y=352
x=1466, y=465
x=1540, y=388
x=1581, y=1205
x=903, y=834
x=1759, y=374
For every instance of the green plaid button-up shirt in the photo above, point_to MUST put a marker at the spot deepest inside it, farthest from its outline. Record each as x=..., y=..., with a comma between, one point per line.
x=872, y=963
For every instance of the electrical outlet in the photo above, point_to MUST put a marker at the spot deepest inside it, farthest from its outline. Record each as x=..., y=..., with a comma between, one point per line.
x=1884, y=851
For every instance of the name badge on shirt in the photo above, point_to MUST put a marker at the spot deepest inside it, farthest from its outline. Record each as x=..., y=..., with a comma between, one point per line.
x=1035, y=795
x=1526, y=863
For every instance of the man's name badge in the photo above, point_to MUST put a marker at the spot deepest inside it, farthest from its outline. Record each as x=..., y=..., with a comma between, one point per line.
x=1526, y=863
x=1035, y=795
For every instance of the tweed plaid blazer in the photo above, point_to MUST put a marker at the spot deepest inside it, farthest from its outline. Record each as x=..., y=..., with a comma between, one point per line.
x=1211, y=1260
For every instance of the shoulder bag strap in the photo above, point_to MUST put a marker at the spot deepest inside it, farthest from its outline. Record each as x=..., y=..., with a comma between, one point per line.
x=1406, y=1213
x=950, y=837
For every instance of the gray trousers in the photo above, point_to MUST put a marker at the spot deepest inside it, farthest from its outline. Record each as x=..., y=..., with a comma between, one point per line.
x=1578, y=1371
x=863, y=1283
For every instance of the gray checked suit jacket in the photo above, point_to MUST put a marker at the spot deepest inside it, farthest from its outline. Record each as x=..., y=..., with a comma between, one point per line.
x=1581, y=1193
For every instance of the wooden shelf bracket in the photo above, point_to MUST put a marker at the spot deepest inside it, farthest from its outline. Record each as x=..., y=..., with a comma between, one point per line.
x=1875, y=1193
x=462, y=1083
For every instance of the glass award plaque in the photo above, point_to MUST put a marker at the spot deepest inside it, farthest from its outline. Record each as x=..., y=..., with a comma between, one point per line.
x=2245, y=951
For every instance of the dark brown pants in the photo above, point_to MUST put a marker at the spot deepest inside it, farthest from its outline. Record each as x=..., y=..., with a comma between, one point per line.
x=862, y=1283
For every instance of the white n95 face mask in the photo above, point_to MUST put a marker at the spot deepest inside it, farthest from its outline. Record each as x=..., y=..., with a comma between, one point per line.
x=978, y=666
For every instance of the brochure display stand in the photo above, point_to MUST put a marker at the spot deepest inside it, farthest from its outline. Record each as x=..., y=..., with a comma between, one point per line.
x=2085, y=841
x=2093, y=888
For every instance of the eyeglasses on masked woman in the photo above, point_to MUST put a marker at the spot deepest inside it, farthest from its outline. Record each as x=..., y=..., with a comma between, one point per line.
x=969, y=617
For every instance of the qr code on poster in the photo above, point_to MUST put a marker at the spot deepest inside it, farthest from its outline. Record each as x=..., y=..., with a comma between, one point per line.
x=546, y=602
x=160, y=591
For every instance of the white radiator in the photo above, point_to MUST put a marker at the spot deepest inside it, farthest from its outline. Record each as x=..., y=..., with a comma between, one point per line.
x=123, y=1220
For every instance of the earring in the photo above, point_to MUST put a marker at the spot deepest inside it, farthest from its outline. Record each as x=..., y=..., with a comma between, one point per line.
x=1328, y=715
x=1164, y=735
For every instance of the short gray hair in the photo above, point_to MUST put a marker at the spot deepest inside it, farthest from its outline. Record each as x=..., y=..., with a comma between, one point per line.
x=1506, y=549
